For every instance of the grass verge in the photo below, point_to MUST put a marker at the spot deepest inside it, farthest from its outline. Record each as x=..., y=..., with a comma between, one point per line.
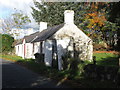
x=107, y=59
x=62, y=76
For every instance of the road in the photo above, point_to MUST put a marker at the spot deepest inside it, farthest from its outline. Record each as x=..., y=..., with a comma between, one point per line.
x=16, y=76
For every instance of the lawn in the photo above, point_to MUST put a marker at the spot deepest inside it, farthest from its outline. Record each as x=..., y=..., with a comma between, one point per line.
x=10, y=57
x=107, y=59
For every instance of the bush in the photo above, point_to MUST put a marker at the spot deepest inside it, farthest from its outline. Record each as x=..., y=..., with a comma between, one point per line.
x=100, y=46
x=39, y=57
x=66, y=60
x=7, y=42
x=74, y=66
x=101, y=72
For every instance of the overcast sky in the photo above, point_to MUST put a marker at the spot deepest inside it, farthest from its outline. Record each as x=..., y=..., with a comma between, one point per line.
x=7, y=7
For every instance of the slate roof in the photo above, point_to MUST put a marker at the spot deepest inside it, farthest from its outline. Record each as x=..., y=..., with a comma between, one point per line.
x=41, y=36
x=46, y=34
x=28, y=38
x=19, y=41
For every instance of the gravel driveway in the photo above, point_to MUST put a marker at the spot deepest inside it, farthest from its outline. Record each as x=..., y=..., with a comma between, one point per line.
x=16, y=76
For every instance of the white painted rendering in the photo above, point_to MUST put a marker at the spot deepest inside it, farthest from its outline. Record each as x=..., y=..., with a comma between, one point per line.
x=29, y=49
x=23, y=49
x=69, y=16
x=48, y=52
x=71, y=30
x=36, y=47
x=24, y=53
x=19, y=50
x=84, y=42
x=43, y=26
x=63, y=38
x=61, y=46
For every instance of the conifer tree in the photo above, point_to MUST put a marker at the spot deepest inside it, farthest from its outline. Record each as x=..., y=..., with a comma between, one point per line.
x=53, y=12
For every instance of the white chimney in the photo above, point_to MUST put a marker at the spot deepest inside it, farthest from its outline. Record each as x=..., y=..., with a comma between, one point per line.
x=43, y=26
x=69, y=17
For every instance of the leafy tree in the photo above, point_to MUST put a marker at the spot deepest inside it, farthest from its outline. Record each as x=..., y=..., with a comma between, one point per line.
x=16, y=20
x=114, y=13
x=114, y=17
x=91, y=17
x=87, y=15
x=95, y=19
x=7, y=42
x=52, y=12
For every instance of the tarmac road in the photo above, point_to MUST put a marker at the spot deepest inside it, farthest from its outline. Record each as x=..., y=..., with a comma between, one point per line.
x=16, y=76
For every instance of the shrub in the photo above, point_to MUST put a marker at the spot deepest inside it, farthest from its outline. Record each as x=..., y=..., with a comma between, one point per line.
x=39, y=57
x=7, y=42
x=100, y=46
x=74, y=66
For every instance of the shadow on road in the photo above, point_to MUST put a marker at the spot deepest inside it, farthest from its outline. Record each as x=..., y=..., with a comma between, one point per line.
x=15, y=76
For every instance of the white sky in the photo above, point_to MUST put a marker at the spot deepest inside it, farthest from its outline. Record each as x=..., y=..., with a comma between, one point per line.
x=7, y=7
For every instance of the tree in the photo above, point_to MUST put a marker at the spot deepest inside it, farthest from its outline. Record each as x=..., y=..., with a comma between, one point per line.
x=114, y=17
x=95, y=19
x=52, y=12
x=90, y=17
x=7, y=42
x=16, y=20
x=98, y=23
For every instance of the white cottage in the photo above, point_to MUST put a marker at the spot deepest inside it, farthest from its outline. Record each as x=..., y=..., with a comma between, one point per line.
x=56, y=41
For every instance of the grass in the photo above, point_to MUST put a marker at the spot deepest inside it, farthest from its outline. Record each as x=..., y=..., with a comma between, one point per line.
x=39, y=68
x=10, y=57
x=60, y=76
x=107, y=59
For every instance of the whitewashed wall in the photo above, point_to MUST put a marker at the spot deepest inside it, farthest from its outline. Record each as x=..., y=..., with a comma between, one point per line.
x=63, y=40
x=71, y=30
x=61, y=50
x=29, y=50
x=36, y=47
x=16, y=49
x=80, y=38
x=48, y=52
x=19, y=52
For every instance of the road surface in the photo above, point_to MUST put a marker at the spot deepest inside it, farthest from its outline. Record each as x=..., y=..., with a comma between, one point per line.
x=16, y=76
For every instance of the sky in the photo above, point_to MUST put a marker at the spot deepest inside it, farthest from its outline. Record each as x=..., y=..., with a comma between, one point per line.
x=7, y=8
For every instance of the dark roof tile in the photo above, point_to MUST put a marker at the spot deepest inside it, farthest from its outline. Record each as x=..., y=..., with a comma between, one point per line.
x=45, y=34
x=41, y=36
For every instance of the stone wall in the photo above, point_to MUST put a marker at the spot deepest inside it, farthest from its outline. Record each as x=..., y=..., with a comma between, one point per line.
x=84, y=49
x=101, y=72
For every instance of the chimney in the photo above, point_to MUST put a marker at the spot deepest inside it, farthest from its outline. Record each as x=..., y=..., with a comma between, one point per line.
x=69, y=17
x=43, y=26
